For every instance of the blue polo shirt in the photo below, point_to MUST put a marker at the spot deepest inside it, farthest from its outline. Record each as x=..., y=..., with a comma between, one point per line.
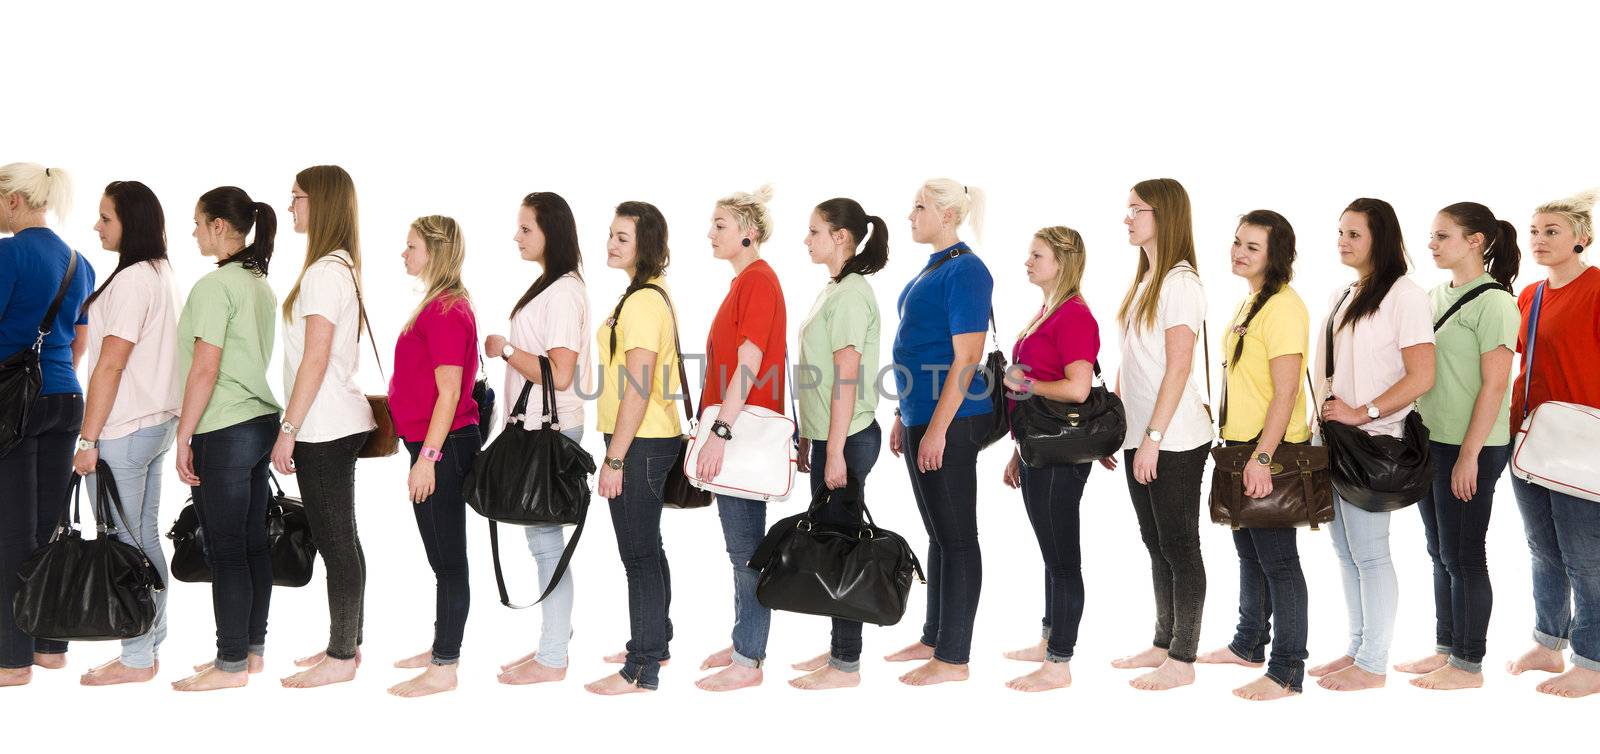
x=31, y=265
x=952, y=300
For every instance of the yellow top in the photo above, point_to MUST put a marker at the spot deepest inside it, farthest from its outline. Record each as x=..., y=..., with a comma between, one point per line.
x=645, y=322
x=1279, y=329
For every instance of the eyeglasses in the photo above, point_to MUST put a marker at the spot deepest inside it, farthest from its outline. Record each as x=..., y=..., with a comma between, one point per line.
x=1133, y=212
x=297, y=197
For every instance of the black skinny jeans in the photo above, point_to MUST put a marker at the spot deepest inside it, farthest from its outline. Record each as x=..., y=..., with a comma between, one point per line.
x=442, y=522
x=860, y=455
x=327, y=472
x=35, y=479
x=1169, y=523
x=231, y=500
x=1051, y=495
x=636, y=519
x=1456, y=532
x=948, y=501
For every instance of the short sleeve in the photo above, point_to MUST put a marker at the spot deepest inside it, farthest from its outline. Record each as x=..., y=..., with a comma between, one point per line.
x=849, y=317
x=643, y=320
x=125, y=304
x=87, y=286
x=968, y=296
x=325, y=290
x=757, y=309
x=1284, y=329
x=564, y=316
x=209, y=310
x=1413, y=315
x=1183, y=302
x=448, y=334
x=1498, y=322
x=1524, y=304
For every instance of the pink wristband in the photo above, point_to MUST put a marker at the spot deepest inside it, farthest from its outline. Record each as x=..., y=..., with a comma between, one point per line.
x=431, y=454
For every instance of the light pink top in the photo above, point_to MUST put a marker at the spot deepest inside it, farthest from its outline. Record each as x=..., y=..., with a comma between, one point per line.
x=141, y=307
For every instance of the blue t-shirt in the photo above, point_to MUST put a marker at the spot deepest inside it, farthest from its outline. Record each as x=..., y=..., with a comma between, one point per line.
x=32, y=263
x=952, y=300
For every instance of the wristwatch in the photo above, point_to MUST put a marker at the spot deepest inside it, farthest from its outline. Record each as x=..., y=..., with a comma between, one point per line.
x=1264, y=459
x=1373, y=412
x=1153, y=433
x=615, y=464
x=286, y=428
x=85, y=443
x=507, y=352
x=721, y=429
x=431, y=454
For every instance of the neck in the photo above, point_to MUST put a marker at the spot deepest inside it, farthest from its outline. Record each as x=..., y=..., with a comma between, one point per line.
x=836, y=264
x=1464, y=273
x=747, y=256
x=1150, y=254
x=21, y=223
x=945, y=239
x=1567, y=271
x=229, y=248
x=632, y=270
x=1257, y=282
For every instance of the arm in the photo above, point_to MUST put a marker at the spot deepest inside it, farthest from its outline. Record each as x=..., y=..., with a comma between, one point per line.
x=1418, y=379
x=447, y=380
x=1285, y=371
x=734, y=395
x=103, y=384
x=841, y=409
x=968, y=348
x=80, y=343
x=1494, y=367
x=641, y=365
x=307, y=381
x=1180, y=362
x=1074, y=388
x=197, y=389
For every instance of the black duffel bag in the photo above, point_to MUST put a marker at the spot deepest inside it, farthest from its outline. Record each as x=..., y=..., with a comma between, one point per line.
x=852, y=571
x=294, y=552
x=1379, y=473
x=530, y=477
x=1052, y=433
x=75, y=589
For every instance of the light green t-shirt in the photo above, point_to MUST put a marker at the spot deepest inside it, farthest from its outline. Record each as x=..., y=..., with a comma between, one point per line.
x=1484, y=324
x=236, y=311
x=845, y=314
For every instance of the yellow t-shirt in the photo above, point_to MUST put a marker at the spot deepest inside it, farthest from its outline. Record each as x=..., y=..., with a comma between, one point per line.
x=1279, y=329
x=645, y=322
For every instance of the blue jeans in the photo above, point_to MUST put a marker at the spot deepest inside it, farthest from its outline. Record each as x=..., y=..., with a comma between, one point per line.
x=35, y=479
x=1371, y=590
x=442, y=522
x=1456, y=531
x=860, y=454
x=1051, y=495
x=948, y=501
x=135, y=461
x=546, y=544
x=744, y=525
x=231, y=500
x=1272, y=586
x=636, y=519
x=1564, y=537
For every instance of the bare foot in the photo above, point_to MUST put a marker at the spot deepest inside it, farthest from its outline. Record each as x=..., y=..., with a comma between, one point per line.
x=1263, y=689
x=330, y=670
x=435, y=679
x=816, y=663
x=309, y=660
x=916, y=651
x=1170, y=675
x=531, y=655
x=1425, y=665
x=730, y=678
x=115, y=672
x=416, y=661
x=1573, y=683
x=1539, y=658
x=52, y=661
x=1050, y=675
x=720, y=659
x=1153, y=657
x=253, y=663
x=1352, y=679
x=613, y=685
x=1328, y=668
x=826, y=677
x=1034, y=653
x=15, y=676
x=212, y=679
x=934, y=671
x=620, y=658
x=1448, y=678
x=1225, y=656
x=530, y=671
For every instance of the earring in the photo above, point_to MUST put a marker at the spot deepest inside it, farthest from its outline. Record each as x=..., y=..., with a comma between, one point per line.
x=1577, y=249
x=745, y=242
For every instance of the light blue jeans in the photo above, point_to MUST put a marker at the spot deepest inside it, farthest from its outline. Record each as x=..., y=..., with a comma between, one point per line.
x=744, y=524
x=136, y=461
x=1371, y=590
x=546, y=544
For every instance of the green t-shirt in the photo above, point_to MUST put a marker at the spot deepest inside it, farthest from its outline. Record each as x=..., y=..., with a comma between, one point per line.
x=1484, y=324
x=233, y=309
x=845, y=314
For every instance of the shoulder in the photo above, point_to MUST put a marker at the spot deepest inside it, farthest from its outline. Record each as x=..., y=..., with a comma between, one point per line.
x=647, y=302
x=1406, y=292
x=1182, y=280
x=1287, y=301
x=969, y=264
x=1075, y=310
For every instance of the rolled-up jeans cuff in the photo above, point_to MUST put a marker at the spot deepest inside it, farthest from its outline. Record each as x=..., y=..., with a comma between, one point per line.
x=844, y=667
x=1584, y=662
x=437, y=660
x=1246, y=656
x=1442, y=649
x=259, y=650
x=1460, y=664
x=231, y=666
x=1053, y=657
x=1549, y=642
x=742, y=661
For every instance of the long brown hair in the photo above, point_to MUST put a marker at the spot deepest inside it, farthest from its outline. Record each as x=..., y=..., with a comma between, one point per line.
x=331, y=224
x=1174, y=244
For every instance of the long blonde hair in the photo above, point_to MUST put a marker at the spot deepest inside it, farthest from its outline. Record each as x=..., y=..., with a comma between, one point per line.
x=331, y=224
x=1067, y=246
x=1174, y=244
x=447, y=251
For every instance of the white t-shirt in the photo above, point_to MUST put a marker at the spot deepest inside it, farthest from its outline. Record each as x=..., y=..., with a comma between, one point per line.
x=556, y=318
x=328, y=289
x=1404, y=318
x=1144, y=364
x=141, y=307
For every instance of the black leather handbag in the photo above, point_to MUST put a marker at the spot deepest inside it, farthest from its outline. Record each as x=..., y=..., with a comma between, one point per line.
x=75, y=589
x=1051, y=433
x=21, y=377
x=294, y=552
x=532, y=476
x=854, y=571
x=483, y=395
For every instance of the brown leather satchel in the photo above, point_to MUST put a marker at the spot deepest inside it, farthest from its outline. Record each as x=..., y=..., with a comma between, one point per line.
x=1302, y=485
x=382, y=441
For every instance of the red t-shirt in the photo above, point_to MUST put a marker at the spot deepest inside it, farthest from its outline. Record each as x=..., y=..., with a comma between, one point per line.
x=1069, y=334
x=438, y=338
x=753, y=311
x=1566, y=356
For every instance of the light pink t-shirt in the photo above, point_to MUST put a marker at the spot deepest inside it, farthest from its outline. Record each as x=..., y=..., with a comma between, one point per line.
x=557, y=318
x=141, y=307
x=1366, y=356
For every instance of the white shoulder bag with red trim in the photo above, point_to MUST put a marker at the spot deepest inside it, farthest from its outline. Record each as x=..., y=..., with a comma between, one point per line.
x=1555, y=448
x=758, y=463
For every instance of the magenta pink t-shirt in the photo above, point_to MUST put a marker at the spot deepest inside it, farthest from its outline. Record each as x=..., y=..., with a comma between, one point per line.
x=438, y=338
x=1070, y=334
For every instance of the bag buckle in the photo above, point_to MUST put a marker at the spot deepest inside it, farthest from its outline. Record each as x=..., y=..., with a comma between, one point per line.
x=866, y=534
x=803, y=525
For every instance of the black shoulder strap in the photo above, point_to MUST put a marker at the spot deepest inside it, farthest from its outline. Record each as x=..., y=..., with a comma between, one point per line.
x=683, y=374
x=1460, y=302
x=1327, y=352
x=45, y=325
x=555, y=577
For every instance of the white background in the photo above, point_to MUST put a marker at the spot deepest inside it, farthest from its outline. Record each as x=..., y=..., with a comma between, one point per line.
x=461, y=108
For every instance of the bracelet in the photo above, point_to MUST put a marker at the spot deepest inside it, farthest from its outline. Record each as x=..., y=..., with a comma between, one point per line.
x=431, y=454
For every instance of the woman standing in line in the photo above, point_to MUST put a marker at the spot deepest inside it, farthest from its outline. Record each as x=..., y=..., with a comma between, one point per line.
x=1383, y=361
x=37, y=472
x=551, y=320
x=839, y=434
x=1265, y=347
x=1468, y=413
x=327, y=418
x=1169, y=427
x=1059, y=349
x=227, y=424
x=430, y=396
x=131, y=414
x=745, y=357
x=941, y=421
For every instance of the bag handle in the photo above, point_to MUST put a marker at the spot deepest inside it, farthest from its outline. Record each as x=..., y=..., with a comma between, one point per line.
x=108, y=499
x=361, y=309
x=1460, y=302
x=47, y=324
x=1532, y=337
x=555, y=578
x=683, y=375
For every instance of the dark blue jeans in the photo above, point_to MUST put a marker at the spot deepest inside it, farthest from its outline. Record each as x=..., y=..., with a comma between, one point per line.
x=860, y=454
x=231, y=501
x=948, y=501
x=442, y=522
x=636, y=519
x=1271, y=585
x=1456, y=531
x=1051, y=495
x=35, y=479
